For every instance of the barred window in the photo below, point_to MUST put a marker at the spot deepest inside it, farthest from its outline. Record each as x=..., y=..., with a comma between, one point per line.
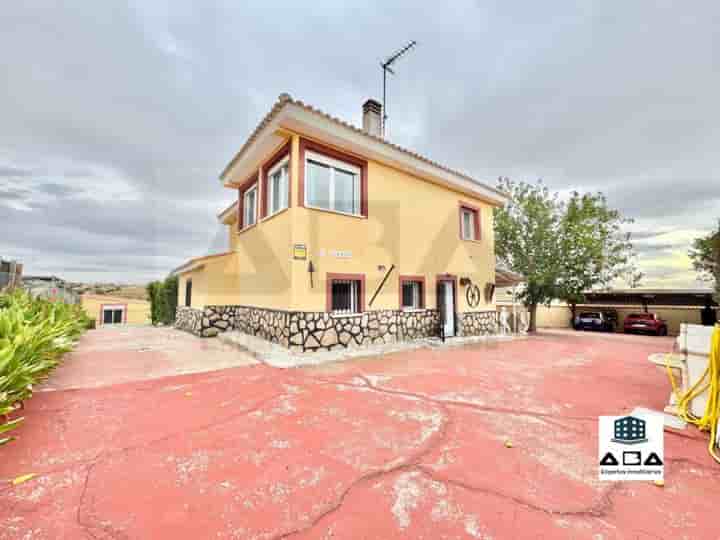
x=412, y=294
x=345, y=295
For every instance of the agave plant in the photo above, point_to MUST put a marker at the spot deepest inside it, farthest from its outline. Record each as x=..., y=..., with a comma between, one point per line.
x=34, y=334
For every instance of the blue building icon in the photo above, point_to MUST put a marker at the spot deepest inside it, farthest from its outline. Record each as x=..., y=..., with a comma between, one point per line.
x=629, y=430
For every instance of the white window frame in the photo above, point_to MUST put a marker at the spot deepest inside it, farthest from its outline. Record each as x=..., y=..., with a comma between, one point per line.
x=468, y=234
x=334, y=164
x=114, y=307
x=417, y=293
x=282, y=165
x=355, y=290
x=246, y=206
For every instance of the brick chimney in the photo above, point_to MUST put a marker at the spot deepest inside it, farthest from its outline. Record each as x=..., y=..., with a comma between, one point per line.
x=372, y=117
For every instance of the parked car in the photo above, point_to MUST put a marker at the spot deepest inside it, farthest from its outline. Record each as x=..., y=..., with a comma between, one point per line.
x=596, y=320
x=645, y=323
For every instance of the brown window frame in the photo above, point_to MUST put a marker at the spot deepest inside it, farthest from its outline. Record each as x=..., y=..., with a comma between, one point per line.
x=465, y=207
x=285, y=151
x=330, y=277
x=312, y=146
x=246, y=186
x=412, y=279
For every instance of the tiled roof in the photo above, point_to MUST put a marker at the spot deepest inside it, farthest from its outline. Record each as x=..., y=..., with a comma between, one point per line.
x=285, y=99
x=196, y=260
x=506, y=278
x=229, y=207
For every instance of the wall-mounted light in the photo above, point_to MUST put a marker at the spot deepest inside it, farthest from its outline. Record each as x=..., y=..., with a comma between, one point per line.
x=381, y=268
x=465, y=281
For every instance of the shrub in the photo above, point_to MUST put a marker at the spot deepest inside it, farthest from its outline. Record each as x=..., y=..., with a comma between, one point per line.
x=163, y=300
x=34, y=334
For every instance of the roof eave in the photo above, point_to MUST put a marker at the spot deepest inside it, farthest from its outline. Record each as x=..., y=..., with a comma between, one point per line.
x=227, y=215
x=301, y=118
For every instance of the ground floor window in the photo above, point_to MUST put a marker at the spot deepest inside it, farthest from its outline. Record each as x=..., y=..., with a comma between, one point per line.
x=112, y=314
x=412, y=292
x=345, y=293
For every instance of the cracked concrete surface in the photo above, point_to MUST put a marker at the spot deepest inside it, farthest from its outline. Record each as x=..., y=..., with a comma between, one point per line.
x=409, y=445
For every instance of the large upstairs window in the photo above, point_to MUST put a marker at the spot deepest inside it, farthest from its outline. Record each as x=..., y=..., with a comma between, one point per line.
x=331, y=184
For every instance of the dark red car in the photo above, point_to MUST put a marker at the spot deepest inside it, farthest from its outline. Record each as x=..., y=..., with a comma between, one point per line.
x=645, y=323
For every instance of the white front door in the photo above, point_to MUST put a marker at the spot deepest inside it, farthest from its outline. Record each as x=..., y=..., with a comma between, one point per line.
x=449, y=304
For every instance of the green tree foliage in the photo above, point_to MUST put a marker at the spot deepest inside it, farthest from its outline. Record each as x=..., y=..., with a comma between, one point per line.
x=163, y=300
x=705, y=256
x=594, y=250
x=34, y=334
x=563, y=248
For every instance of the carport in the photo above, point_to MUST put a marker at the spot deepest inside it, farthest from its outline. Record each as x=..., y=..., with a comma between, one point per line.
x=698, y=302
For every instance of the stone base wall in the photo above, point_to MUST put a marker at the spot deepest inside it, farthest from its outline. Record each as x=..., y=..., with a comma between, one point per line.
x=418, y=324
x=189, y=319
x=306, y=331
x=211, y=320
x=478, y=323
x=268, y=324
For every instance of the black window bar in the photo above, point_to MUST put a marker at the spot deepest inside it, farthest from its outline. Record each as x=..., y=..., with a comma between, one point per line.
x=345, y=296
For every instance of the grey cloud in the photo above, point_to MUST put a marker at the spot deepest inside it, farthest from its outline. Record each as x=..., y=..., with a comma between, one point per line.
x=11, y=193
x=59, y=190
x=13, y=172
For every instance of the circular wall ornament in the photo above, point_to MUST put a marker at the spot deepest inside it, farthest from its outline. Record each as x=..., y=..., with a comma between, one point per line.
x=472, y=295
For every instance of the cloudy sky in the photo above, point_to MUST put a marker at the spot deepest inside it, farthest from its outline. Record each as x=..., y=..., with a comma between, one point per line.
x=116, y=118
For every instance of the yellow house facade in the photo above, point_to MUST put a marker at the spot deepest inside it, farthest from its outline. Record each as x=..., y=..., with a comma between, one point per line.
x=340, y=238
x=114, y=310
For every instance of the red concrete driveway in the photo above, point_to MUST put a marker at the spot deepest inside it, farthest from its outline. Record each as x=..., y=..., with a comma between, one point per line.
x=405, y=446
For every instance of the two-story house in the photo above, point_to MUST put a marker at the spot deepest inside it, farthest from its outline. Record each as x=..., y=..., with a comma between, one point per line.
x=340, y=238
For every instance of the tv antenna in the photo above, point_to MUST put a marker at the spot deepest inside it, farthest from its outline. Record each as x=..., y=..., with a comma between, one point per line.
x=386, y=68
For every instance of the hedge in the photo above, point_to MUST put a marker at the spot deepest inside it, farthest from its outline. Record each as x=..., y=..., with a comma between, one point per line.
x=34, y=334
x=163, y=300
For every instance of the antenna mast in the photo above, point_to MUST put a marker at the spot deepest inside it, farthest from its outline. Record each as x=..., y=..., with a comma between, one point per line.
x=386, y=68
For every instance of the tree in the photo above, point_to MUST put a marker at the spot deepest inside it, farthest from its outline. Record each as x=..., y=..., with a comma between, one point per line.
x=163, y=300
x=594, y=249
x=526, y=240
x=562, y=248
x=705, y=256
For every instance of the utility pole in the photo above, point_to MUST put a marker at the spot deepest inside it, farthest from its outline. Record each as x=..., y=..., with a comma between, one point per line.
x=386, y=68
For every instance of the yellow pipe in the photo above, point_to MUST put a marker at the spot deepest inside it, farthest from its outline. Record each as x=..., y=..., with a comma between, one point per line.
x=709, y=381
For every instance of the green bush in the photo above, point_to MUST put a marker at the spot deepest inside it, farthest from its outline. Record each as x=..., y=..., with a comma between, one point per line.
x=163, y=300
x=34, y=334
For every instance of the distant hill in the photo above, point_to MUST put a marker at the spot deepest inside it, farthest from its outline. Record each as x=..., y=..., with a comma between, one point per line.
x=133, y=292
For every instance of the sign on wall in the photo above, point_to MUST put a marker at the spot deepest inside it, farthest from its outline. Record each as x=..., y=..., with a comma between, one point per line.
x=300, y=252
